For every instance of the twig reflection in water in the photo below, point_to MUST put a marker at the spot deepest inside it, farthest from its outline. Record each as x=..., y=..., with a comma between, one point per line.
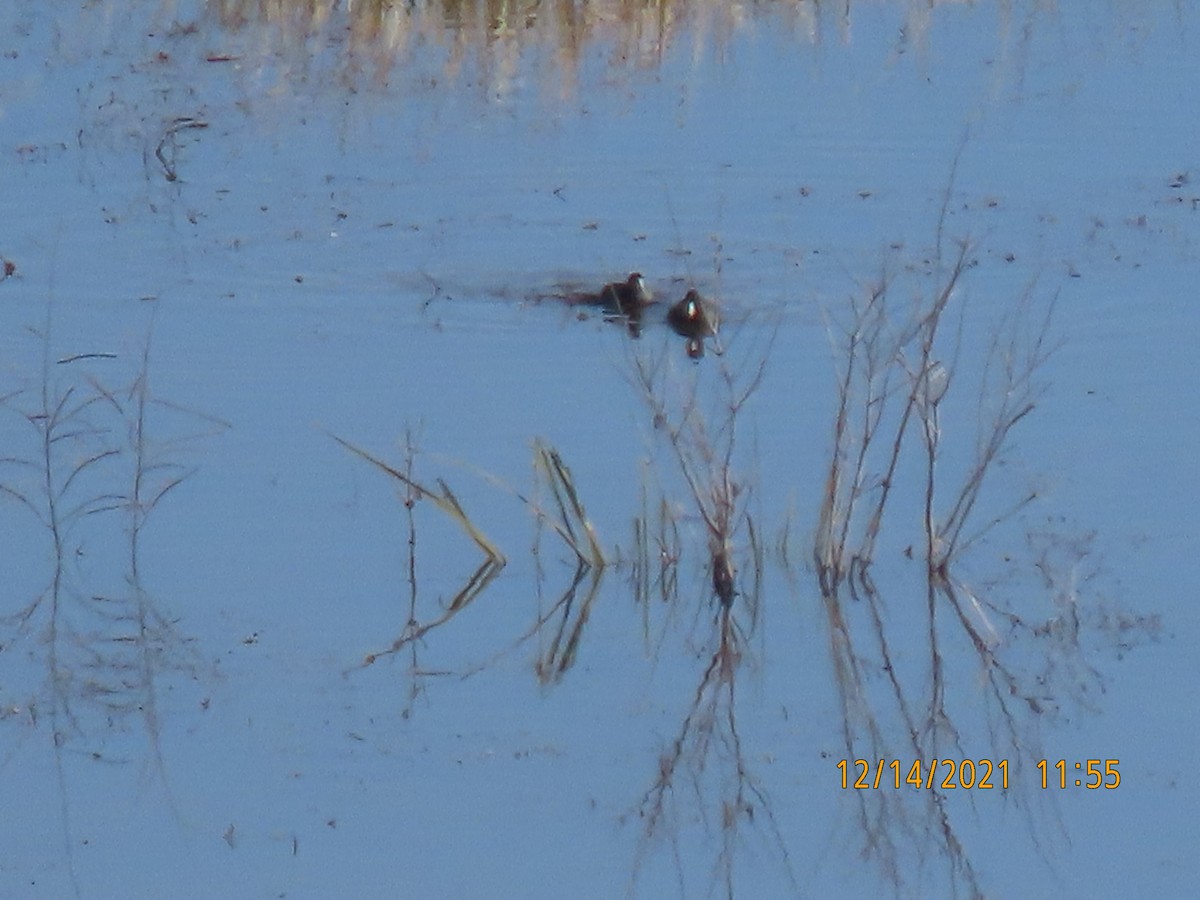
x=96, y=445
x=708, y=746
x=445, y=500
x=567, y=517
x=698, y=416
x=890, y=377
x=573, y=526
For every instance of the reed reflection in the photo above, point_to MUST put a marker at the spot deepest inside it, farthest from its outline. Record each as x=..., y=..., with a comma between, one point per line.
x=996, y=656
x=499, y=40
x=99, y=453
x=704, y=483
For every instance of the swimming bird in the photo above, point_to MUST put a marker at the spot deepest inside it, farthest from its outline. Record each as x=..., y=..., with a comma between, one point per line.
x=694, y=317
x=627, y=297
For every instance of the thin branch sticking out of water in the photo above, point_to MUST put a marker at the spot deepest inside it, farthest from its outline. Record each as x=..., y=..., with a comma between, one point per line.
x=572, y=523
x=443, y=498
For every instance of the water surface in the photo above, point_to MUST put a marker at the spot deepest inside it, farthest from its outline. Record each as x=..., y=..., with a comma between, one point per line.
x=237, y=231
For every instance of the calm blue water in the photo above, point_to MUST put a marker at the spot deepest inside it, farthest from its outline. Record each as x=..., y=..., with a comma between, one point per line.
x=365, y=250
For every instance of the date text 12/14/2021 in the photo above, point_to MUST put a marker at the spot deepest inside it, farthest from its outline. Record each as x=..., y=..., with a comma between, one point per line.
x=978, y=774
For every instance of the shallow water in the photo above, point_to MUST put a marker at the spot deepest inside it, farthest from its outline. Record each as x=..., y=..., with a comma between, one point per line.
x=251, y=233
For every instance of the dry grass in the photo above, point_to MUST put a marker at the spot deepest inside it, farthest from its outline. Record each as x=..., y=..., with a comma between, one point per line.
x=444, y=499
x=441, y=497
x=566, y=619
x=572, y=523
x=100, y=454
x=698, y=416
x=98, y=448
x=897, y=365
x=697, y=420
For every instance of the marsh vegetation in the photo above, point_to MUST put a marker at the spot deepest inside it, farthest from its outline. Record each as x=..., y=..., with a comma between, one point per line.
x=93, y=456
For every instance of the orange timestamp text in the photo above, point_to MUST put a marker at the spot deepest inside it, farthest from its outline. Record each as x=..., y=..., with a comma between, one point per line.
x=974, y=774
x=948, y=774
x=1093, y=773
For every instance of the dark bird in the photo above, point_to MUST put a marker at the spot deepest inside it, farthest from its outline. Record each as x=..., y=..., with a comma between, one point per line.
x=627, y=297
x=694, y=317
